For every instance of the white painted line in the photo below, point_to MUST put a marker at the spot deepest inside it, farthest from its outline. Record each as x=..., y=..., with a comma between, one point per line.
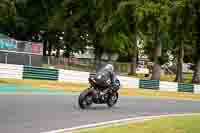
x=135, y=119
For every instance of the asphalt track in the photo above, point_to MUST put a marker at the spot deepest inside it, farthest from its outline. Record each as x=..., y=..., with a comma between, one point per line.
x=42, y=113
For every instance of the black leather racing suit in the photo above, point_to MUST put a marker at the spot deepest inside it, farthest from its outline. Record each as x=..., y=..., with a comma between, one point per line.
x=107, y=78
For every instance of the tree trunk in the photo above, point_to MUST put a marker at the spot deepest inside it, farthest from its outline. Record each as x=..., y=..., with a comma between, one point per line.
x=134, y=57
x=156, y=67
x=49, y=48
x=133, y=65
x=179, y=71
x=156, y=72
x=109, y=57
x=98, y=54
x=157, y=54
x=57, y=52
x=132, y=20
x=196, y=75
x=45, y=47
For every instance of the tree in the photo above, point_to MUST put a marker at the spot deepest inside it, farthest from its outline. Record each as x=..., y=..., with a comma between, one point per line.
x=132, y=22
x=180, y=32
x=196, y=75
x=79, y=24
x=196, y=38
x=105, y=36
x=38, y=17
x=155, y=14
x=7, y=15
x=121, y=30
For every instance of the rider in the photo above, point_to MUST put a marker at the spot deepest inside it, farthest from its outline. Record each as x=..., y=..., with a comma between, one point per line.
x=107, y=77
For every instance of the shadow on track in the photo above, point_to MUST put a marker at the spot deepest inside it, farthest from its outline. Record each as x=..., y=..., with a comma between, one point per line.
x=96, y=107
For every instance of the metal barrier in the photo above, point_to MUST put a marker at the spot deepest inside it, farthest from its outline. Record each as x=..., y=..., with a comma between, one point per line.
x=185, y=87
x=11, y=71
x=30, y=72
x=40, y=73
x=149, y=84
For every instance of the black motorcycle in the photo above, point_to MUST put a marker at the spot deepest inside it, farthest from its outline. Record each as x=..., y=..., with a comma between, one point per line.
x=98, y=94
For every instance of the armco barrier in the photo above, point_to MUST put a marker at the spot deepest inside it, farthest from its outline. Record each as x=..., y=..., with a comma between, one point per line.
x=185, y=87
x=11, y=71
x=73, y=76
x=129, y=82
x=40, y=73
x=168, y=86
x=82, y=77
x=149, y=84
x=197, y=89
x=29, y=72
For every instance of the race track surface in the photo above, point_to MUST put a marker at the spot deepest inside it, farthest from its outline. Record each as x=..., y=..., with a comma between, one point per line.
x=42, y=113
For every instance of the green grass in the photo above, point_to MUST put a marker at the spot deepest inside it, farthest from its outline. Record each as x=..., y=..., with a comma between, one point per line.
x=77, y=87
x=187, y=77
x=51, y=85
x=186, y=124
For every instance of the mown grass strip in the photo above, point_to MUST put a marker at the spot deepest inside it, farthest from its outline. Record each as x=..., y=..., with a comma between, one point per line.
x=179, y=124
x=76, y=87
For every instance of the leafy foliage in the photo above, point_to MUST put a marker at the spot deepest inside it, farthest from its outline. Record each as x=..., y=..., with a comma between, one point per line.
x=112, y=26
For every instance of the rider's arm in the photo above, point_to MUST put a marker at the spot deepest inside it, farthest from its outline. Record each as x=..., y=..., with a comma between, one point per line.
x=112, y=77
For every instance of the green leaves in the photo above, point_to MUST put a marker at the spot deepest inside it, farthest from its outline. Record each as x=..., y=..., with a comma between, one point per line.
x=117, y=22
x=117, y=42
x=7, y=15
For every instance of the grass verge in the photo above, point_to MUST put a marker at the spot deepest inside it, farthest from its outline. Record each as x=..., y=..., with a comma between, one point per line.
x=51, y=85
x=187, y=77
x=180, y=124
x=75, y=87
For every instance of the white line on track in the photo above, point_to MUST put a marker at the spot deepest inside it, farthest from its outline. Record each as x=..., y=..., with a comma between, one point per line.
x=135, y=119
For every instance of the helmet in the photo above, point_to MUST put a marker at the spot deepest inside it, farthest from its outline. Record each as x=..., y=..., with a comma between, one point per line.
x=109, y=67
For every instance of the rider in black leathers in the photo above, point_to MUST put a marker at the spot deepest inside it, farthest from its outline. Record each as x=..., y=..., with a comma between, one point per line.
x=106, y=77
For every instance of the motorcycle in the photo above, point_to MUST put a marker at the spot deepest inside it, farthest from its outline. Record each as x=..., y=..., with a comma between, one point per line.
x=98, y=94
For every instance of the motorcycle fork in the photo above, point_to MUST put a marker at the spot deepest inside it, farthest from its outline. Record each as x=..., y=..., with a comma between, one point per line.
x=93, y=92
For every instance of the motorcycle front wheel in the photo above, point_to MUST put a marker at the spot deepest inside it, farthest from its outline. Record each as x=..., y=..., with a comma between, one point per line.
x=85, y=99
x=112, y=99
